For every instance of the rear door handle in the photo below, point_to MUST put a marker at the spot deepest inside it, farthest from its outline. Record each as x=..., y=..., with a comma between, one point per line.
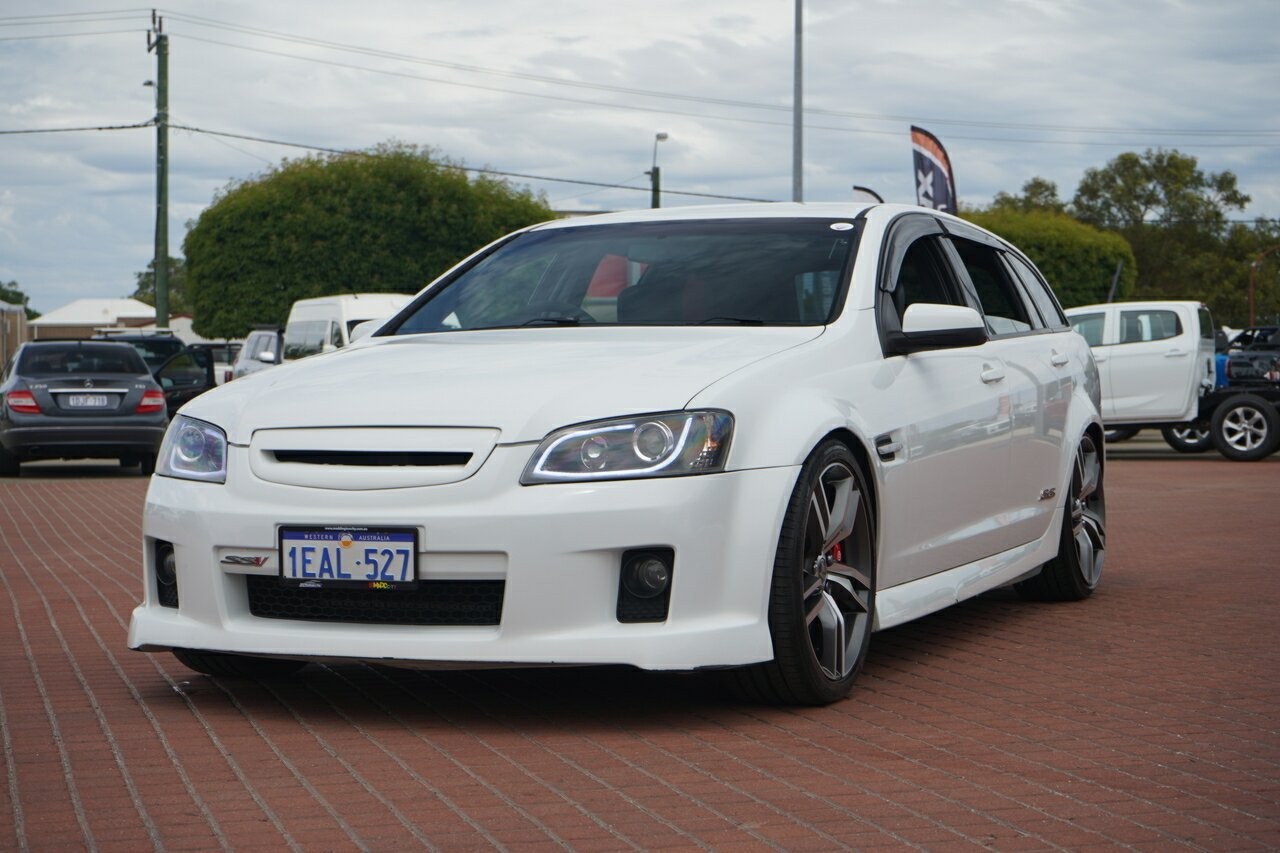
x=1057, y=359
x=992, y=373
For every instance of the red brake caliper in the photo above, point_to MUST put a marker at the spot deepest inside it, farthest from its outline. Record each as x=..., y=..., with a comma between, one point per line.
x=837, y=552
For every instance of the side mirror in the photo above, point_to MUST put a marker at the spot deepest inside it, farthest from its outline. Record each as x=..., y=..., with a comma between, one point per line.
x=267, y=357
x=929, y=326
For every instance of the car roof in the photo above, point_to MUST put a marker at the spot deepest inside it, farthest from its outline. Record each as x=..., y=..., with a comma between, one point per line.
x=771, y=210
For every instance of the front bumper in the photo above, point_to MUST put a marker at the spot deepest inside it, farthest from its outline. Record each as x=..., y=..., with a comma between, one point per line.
x=556, y=548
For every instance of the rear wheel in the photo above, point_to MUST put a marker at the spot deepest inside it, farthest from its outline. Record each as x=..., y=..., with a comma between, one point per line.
x=1187, y=438
x=822, y=600
x=236, y=666
x=1074, y=573
x=1246, y=428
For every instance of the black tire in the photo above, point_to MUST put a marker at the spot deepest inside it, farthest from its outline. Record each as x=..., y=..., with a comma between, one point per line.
x=1188, y=438
x=1245, y=428
x=147, y=464
x=822, y=598
x=1075, y=572
x=8, y=464
x=1113, y=436
x=236, y=666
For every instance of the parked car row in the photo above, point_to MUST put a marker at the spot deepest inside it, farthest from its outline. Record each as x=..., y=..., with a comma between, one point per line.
x=1157, y=361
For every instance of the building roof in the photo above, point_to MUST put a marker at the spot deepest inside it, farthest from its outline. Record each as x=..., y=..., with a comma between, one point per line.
x=96, y=312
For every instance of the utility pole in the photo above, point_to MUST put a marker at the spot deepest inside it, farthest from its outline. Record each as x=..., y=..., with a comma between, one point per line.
x=797, y=117
x=655, y=187
x=161, y=263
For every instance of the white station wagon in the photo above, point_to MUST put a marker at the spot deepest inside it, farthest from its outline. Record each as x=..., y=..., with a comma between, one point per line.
x=732, y=438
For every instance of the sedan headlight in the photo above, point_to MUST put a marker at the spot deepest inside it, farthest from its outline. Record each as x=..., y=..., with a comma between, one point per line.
x=193, y=450
x=671, y=444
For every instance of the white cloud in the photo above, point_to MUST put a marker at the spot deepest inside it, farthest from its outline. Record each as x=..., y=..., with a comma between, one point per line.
x=76, y=210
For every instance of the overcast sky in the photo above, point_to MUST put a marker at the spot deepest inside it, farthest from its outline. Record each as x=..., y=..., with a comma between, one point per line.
x=577, y=90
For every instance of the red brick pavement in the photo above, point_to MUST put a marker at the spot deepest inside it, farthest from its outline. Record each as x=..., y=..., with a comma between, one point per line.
x=1143, y=718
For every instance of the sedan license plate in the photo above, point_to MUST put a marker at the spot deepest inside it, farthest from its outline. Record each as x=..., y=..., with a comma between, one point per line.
x=87, y=401
x=362, y=557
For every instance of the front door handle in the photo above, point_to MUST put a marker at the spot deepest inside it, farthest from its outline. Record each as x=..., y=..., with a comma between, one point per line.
x=992, y=373
x=1175, y=353
x=1057, y=359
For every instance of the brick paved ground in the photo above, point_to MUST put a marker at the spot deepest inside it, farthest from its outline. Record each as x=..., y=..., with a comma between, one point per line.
x=1145, y=717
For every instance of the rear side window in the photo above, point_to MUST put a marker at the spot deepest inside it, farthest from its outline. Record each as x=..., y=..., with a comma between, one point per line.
x=1040, y=293
x=1090, y=327
x=1141, y=326
x=1206, y=324
x=1002, y=304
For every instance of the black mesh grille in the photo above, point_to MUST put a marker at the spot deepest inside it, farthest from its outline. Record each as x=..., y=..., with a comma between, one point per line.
x=373, y=457
x=432, y=603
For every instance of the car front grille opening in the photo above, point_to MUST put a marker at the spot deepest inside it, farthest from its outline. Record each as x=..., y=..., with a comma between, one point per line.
x=375, y=458
x=166, y=574
x=441, y=602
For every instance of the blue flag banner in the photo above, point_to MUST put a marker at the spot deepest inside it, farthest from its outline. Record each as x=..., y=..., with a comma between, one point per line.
x=935, y=185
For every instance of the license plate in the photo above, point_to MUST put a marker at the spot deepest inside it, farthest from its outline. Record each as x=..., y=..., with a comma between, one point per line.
x=87, y=401
x=363, y=557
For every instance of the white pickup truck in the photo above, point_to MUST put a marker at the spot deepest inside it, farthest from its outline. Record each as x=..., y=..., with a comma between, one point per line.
x=1156, y=363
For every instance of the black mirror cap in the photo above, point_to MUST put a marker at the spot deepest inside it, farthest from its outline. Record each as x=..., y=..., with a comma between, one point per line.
x=905, y=343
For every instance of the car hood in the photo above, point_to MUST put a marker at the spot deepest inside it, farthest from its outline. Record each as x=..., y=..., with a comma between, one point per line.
x=523, y=382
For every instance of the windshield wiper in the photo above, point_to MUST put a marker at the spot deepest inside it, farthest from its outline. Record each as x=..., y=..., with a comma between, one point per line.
x=731, y=321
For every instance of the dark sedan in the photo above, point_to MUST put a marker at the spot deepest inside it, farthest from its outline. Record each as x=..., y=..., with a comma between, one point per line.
x=79, y=399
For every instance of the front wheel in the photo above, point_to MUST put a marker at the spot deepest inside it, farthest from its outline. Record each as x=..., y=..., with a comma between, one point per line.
x=1246, y=428
x=1188, y=438
x=1074, y=573
x=822, y=600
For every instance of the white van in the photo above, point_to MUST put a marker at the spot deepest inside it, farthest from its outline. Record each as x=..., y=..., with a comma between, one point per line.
x=325, y=322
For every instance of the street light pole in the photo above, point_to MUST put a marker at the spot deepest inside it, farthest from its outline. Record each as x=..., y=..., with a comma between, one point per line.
x=797, y=113
x=655, y=175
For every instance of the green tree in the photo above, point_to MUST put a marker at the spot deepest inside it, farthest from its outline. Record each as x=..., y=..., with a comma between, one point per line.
x=1159, y=187
x=1176, y=218
x=11, y=293
x=1078, y=260
x=1038, y=194
x=146, y=290
x=390, y=219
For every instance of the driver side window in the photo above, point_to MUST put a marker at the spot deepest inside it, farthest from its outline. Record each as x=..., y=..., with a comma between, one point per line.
x=922, y=278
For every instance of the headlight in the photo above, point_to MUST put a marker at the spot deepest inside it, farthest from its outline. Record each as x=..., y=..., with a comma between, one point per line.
x=193, y=450
x=672, y=444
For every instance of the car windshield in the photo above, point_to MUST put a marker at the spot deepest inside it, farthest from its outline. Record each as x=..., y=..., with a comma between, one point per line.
x=769, y=272
x=63, y=359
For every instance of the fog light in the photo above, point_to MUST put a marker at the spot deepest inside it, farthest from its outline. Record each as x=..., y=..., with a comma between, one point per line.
x=166, y=568
x=644, y=584
x=646, y=576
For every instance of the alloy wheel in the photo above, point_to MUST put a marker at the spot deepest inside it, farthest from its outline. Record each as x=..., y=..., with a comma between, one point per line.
x=837, y=585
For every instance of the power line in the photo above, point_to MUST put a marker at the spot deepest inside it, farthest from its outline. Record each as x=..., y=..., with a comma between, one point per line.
x=556, y=81
x=69, y=35
x=475, y=169
x=697, y=115
x=150, y=123
x=63, y=16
